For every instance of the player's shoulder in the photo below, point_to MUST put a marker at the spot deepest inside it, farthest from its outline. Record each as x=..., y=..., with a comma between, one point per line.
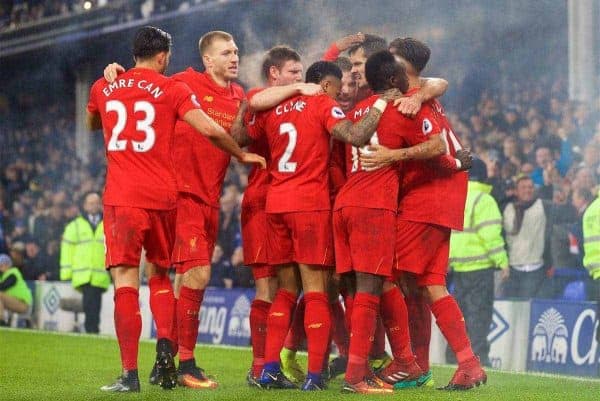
x=237, y=90
x=253, y=92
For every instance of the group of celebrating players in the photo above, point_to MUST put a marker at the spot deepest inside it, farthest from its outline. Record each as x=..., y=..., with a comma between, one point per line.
x=369, y=186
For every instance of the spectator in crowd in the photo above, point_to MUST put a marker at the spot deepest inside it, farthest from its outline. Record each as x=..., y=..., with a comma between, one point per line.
x=545, y=176
x=15, y=296
x=82, y=259
x=475, y=253
x=591, y=247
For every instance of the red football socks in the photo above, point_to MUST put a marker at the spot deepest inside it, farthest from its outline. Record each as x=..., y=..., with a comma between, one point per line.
x=317, y=325
x=162, y=304
x=188, y=310
x=451, y=322
x=278, y=323
x=419, y=325
x=378, y=347
x=296, y=335
x=364, y=316
x=339, y=333
x=128, y=325
x=395, y=320
x=259, y=311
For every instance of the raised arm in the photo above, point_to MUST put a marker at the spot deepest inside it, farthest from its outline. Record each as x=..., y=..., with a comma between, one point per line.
x=431, y=88
x=219, y=137
x=359, y=133
x=271, y=97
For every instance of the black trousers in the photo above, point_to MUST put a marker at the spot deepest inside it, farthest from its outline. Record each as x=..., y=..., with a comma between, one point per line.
x=474, y=292
x=92, y=302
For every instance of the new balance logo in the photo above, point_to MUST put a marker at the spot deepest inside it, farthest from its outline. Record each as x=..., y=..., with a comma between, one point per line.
x=277, y=314
x=315, y=325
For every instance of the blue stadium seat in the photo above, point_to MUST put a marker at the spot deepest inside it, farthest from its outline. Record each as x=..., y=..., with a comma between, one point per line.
x=575, y=291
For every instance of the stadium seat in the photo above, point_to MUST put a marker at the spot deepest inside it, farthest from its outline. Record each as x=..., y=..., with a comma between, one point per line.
x=575, y=291
x=74, y=305
x=20, y=320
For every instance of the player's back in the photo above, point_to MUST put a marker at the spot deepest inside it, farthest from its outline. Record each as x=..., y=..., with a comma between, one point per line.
x=297, y=131
x=201, y=166
x=429, y=192
x=138, y=113
x=372, y=189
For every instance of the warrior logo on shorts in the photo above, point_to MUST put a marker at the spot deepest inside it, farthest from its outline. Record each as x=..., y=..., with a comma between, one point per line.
x=427, y=126
x=336, y=112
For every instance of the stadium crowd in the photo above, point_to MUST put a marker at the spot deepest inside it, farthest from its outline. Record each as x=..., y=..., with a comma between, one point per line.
x=518, y=131
x=16, y=13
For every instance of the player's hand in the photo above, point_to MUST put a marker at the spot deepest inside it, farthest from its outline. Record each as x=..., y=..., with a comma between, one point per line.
x=253, y=158
x=310, y=89
x=504, y=274
x=376, y=157
x=349, y=41
x=409, y=106
x=392, y=94
x=112, y=71
x=466, y=159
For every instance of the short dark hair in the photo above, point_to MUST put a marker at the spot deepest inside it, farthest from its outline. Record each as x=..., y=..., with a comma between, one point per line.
x=344, y=63
x=277, y=56
x=149, y=41
x=371, y=45
x=321, y=69
x=380, y=67
x=412, y=50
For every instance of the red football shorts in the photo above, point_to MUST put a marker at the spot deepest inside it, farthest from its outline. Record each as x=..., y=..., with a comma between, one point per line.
x=196, y=233
x=263, y=271
x=423, y=249
x=301, y=237
x=129, y=229
x=364, y=240
x=254, y=235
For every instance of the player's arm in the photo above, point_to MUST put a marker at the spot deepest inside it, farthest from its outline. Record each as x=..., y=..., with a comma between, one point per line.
x=239, y=131
x=93, y=121
x=270, y=97
x=359, y=133
x=219, y=137
x=379, y=156
x=342, y=45
x=431, y=88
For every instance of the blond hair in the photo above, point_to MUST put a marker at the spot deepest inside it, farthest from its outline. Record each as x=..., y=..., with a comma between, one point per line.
x=208, y=38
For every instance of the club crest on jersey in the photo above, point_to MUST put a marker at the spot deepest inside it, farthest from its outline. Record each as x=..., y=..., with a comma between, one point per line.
x=336, y=112
x=427, y=126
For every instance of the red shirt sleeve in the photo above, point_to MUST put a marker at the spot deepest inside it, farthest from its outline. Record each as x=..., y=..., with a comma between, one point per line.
x=332, y=53
x=184, y=99
x=421, y=128
x=254, y=125
x=330, y=112
x=92, y=105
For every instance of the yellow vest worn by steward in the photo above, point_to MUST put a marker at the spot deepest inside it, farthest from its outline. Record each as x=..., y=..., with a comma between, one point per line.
x=591, y=239
x=82, y=254
x=480, y=245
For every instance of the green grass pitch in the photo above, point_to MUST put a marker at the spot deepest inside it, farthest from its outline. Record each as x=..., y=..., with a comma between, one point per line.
x=46, y=366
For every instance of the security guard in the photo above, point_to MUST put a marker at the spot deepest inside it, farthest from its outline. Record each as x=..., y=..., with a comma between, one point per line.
x=82, y=259
x=474, y=253
x=591, y=249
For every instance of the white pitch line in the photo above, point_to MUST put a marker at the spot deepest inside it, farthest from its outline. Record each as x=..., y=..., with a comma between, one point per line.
x=247, y=349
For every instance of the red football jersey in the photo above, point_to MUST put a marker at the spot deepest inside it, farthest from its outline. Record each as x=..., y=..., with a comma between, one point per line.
x=373, y=189
x=255, y=194
x=430, y=193
x=297, y=132
x=138, y=113
x=201, y=166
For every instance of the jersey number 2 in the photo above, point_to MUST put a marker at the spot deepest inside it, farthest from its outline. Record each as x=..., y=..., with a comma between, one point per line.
x=285, y=165
x=145, y=125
